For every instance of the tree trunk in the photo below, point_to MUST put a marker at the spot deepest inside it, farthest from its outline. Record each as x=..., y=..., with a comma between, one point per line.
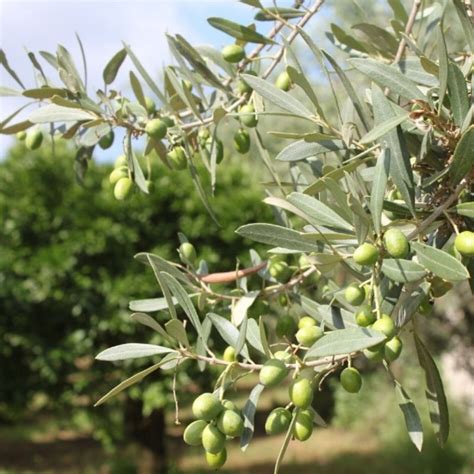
x=148, y=431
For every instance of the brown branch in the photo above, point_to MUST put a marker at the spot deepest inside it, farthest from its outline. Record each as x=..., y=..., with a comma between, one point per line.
x=409, y=26
x=227, y=277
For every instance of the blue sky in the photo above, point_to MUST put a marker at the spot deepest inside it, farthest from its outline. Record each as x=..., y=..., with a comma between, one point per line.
x=102, y=25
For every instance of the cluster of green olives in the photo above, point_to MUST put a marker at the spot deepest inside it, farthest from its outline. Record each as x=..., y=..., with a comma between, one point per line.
x=120, y=178
x=32, y=139
x=216, y=421
x=206, y=144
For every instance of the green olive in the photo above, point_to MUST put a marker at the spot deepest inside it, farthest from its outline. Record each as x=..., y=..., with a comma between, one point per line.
x=229, y=354
x=121, y=161
x=354, y=294
x=283, y=81
x=393, y=349
x=286, y=326
x=233, y=53
x=156, y=129
x=277, y=421
x=216, y=461
x=177, y=158
x=385, y=325
x=230, y=423
x=248, y=116
x=107, y=140
x=242, y=141
x=213, y=440
x=193, y=433
x=187, y=252
x=306, y=321
x=122, y=188
x=206, y=407
x=307, y=336
x=351, y=380
x=280, y=271
x=273, y=372
x=150, y=106
x=366, y=254
x=117, y=174
x=301, y=392
x=21, y=136
x=34, y=139
x=396, y=243
x=464, y=243
x=365, y=316
x=303, y=428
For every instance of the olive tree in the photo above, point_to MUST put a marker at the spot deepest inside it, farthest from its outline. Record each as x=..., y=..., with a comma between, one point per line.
x=372, y=197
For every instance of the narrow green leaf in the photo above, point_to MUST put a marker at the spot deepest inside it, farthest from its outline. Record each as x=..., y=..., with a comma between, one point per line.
x=286, y=13
x=175, y=328
x=242, y=335
x=399, y=11
x=466, y=208
x=411, y=416
x=333, y=317
x=146, y=77
x=228, y=332
x=301, y=149
x=248, y=413
x=17, y=127
x=137, y=89
x=56, y=113
x=276, y=96
x=379, y=184
x=239, y=32
x=112, y=68
x=253, y=336
x=457, y=93
x=150, y=322
x=263, y=337
x=130, y=381
x=388, y=76
x=466, y=23
x=320, y=214
x=403, y=271
x=380, y=38
x=443, y=66
x=149, y=305
x=382, y=128
x=132, y=351
x=183, y=300
x=440, y=262
x=439, y=414
x=360, y=106
x=201, y=343
x=9, y=92
x=239, y=311
x=45, y=92
x=344, y=341
x=6, y=65
x=463, y=157
x=277, y=236
x=400, y=167
x=68, y=71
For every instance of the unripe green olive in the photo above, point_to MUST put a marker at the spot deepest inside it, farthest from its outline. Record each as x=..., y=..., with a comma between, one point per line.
x=464, y=243
x=187, y=252
x=213, y=440
x=286, y=326
x=375, y=354
x=206, y=407
x=307, y=336
x=233, y=53
x=156, y=129
x=242, y=141
x=396, y=243
x=150, y=106
x=393, y=349
x=385, y=325
x=440, y=287
x=248, y=116
x=365, y=316
x=216, y=461
x=283, y=81
x=277, y=421
x=107, y=140
x=193, y=433
x=366, y=254
x=34, y=139
x=304, y=262
x=354, y=294
x=203, y=136
x=117, y=174
x=230, y=423
x=303, y=428
x=306, y=321
x=351, y=380
x=219, y=149
x=229, y=354
x=301, y=392
x=242, y=86
x=273, y=372
x=280, y=271
x=21, y=135
x=122, y=188
x=283, y=355
x=229, y=405
x=177, y=158
x=121, y=161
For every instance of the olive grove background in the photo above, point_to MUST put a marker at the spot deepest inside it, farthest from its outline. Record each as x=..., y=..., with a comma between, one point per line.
x=67, y=275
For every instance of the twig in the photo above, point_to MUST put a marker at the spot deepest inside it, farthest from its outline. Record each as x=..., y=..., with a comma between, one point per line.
x=227, y=277
x=409, y=26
